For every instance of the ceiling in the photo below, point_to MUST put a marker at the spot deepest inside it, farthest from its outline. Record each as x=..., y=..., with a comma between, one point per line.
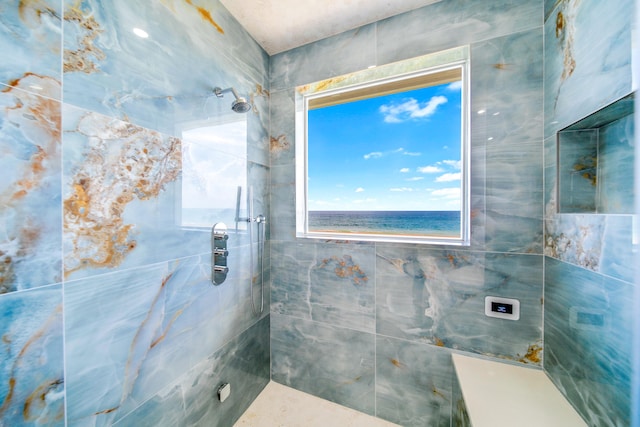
x=280, y=25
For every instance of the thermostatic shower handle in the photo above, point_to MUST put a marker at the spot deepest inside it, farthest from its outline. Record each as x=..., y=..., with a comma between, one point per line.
x=221, y=269
x=219, y=253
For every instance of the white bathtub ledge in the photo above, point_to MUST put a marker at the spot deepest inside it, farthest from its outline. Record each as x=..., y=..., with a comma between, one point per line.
x=499, y=394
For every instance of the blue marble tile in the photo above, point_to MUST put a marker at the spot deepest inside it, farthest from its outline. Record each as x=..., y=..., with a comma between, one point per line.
x=30, y=173
x=31, y=367
x=282, y=144
x=437, y=297
x=30, y=34
x=600, y=243
x=333, y=363
x=413, y=383
x=616, y=161
x=550, y=176
x=578, y=171
x=327, y=283
x=131, y=333
x=283, y=201
x=596, y=161
x=120, y=195
x=587, y=45
x=243, y=363
x=506, y=152
x=459, y=412
x=106, y=66
x=448, y=24
x=588, y=350
x=341, y=54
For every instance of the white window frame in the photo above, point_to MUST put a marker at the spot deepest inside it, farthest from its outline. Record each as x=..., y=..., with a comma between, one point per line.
x=404, y=70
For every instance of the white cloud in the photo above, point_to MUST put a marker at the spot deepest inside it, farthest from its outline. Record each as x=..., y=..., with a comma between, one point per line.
x=359, y=190
x=404, y=170
x=415, y=178
x=449, y=177
x=409, y=153
x=456, y=164
x=447, y=193
x=455, y=86
x=430, y=169
x=401, y=189
x=374, y=155
x=411, y=109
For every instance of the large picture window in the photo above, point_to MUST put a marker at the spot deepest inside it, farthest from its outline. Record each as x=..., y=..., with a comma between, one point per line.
x=383, y=153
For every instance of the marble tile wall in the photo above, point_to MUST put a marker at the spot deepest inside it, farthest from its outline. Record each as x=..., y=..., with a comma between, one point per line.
x=107, y=312
x=371, y=326
x=589, y=263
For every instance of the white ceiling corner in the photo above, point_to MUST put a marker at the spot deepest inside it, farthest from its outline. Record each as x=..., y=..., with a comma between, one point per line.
x=280, y=25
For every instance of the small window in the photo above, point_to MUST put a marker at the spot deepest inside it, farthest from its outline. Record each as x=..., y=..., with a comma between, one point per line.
x=382, y=154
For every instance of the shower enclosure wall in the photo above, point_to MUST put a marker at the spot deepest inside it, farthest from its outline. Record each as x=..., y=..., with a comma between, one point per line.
x=117, y=158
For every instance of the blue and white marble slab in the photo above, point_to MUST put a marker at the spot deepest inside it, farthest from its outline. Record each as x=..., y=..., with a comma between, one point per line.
x=413, y=383
x=243, y=363
x=30, y=38
x=448, y=24
x=30, y=173
x=282, y=143
x=131, y=333
x=32, y=383
x=587, y=58
x=326, y=283
x=506, y=148
x=107, y=67
x=588, y=345
x=330, y=362
x=121, y=196
x=437, y=297
x=344, y=53
x=600, y=243
x=616, y=160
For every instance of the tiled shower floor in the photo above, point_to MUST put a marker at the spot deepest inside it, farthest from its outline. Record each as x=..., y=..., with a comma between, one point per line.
x=282, y=406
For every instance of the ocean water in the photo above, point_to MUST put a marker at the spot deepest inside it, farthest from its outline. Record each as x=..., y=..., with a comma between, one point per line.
x=438, y=223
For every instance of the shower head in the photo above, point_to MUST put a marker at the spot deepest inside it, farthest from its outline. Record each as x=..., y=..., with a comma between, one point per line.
x=240, y=105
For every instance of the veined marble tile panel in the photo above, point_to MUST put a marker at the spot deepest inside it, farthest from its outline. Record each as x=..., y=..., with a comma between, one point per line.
x=121, y=196
x=437, y=297
x=459, y=412
x=32, y=366
x=30, y=173
x=506, y=87
x=616, y=176
x=283, y=114
x=243, y=363
x=600, y=243
x=448, y=24
x=506, y=147
x=327, y=283
x=413, y=383
x=30, y=35
x=131, y=333
x=334, y=363
x=587, y=45
x=588, y=350
x=344, y=53
x=283, y=203
x=107, y=67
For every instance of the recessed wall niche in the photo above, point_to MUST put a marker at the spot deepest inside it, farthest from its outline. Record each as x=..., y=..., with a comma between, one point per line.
x=596, y=161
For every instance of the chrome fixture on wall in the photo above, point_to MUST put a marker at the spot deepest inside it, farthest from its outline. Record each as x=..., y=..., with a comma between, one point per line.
x=240, y=105
x=219, y=253
x=260, y=221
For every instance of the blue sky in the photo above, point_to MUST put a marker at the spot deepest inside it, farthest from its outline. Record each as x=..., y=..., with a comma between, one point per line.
x=396, y=152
